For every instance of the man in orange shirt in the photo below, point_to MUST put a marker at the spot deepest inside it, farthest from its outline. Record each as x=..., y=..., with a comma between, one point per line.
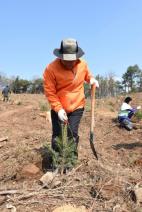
x=64, y=87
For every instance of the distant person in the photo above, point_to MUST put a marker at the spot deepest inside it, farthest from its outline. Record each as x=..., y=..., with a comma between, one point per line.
x=5, y=92
x=126, y=112
x=64, y=88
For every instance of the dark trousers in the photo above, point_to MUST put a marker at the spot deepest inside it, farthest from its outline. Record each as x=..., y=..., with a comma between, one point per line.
x=5, y=98
x=73, y=125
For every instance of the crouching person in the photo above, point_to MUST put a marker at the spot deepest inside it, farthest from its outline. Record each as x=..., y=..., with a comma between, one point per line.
x=126, y=112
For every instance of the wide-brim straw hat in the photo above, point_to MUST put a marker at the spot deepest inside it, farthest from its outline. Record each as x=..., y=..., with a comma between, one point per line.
x=69, y=50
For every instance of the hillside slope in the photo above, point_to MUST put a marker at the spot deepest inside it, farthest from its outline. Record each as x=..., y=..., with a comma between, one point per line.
x=103, y=185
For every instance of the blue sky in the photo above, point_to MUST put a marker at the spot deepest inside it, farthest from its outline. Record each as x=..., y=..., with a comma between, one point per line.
x=109, y=31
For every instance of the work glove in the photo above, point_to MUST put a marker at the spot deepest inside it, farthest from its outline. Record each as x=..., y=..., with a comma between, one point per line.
x=94, y=81
x=62, y=115
x=138, y=107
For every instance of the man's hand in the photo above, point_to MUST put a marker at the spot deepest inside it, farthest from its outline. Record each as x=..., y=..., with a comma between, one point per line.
x=138, y=107
x=94, y=81
x=62, y=115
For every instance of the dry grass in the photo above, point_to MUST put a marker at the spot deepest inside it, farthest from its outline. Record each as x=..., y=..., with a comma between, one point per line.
x=103, y=185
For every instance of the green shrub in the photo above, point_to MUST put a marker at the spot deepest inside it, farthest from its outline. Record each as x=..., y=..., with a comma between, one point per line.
x=138, y=115
x=43, y=106
x=112, y=109
x=111, y=103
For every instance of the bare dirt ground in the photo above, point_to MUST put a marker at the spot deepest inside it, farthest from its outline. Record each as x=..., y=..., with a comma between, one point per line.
x=103, y=185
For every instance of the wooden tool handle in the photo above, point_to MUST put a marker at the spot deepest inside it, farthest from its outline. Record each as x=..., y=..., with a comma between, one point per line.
x=93, y=88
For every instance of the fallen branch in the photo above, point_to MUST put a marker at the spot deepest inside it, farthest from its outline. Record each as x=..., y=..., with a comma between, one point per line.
x=3, y=139
x=24, y=197
x=8, y=192
x=74, y=170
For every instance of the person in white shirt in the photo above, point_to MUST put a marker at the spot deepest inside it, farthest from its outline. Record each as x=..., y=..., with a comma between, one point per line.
x=126, y=112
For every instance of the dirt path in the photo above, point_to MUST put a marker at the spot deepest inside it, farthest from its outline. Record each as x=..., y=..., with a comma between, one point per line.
x=15, y=112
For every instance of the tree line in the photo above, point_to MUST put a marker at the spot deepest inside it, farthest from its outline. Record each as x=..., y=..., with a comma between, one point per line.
x=18, y=85
x=131, y=82
x=109, y=86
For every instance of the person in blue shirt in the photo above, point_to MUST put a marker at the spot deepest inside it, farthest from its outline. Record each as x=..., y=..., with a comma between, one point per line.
x=126, y=112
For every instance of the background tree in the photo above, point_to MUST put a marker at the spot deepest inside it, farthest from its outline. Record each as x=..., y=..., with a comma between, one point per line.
x=87, y=90
x=103, y=87
x=130, y=78
x=139, y=82
x=4, y=80
x=119, y=87
x=108, y=85
x=38, y=85
x=111, y=84
x=19, y=85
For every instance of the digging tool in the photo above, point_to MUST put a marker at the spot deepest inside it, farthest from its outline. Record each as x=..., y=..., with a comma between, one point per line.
x=92, y=137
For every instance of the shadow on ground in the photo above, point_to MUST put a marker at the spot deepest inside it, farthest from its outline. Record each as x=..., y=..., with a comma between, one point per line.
x=47, y=161
x=127, y=146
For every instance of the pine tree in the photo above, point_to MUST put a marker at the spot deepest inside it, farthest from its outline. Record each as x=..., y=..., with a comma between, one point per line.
x=66, y=156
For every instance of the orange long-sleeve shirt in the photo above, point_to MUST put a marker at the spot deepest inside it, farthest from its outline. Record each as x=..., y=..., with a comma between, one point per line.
x=64, y=88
